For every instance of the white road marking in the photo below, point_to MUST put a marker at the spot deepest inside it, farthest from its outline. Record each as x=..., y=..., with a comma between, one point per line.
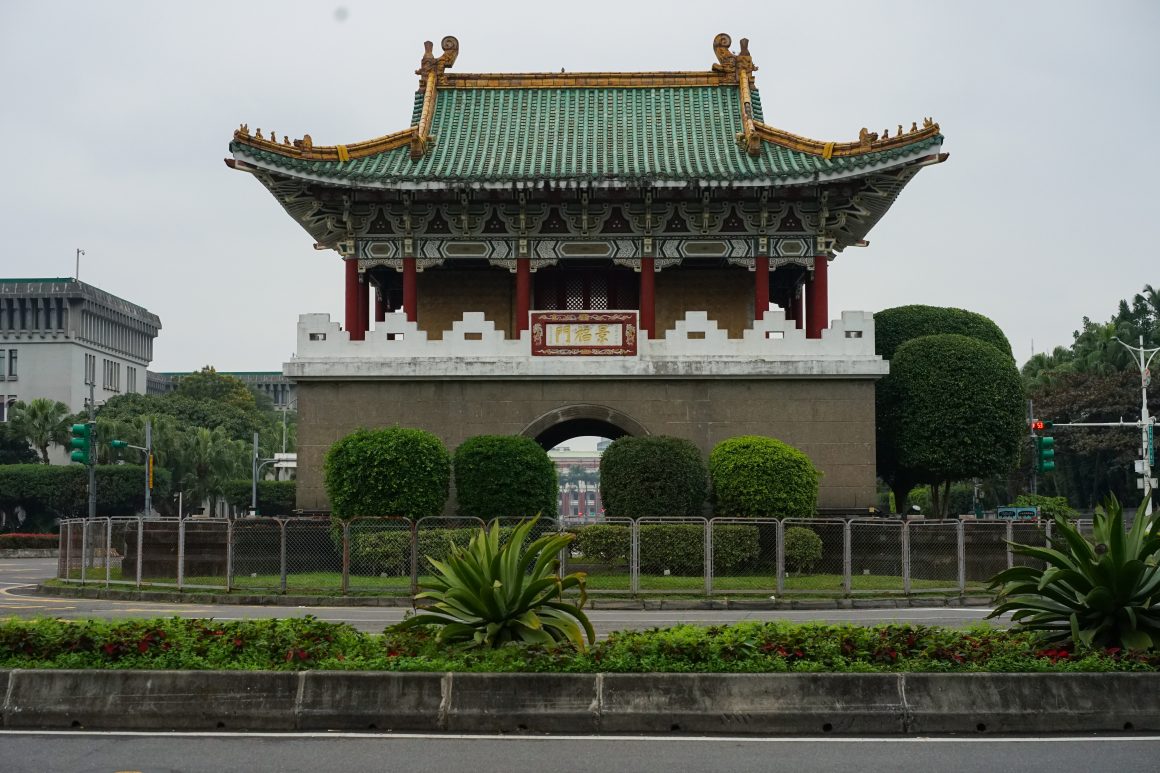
x=624, y=738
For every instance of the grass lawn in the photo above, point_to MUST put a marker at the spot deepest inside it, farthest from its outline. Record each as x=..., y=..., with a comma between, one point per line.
x=330, y=583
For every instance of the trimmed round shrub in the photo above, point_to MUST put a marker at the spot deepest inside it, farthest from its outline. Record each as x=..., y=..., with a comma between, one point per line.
x=652, y=477
x=761, y=477
x=393, y=471
x=498, y=476
x=803, y=549
x=894, y=327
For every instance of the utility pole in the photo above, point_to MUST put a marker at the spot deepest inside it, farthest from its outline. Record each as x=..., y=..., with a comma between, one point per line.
x=1146, y=424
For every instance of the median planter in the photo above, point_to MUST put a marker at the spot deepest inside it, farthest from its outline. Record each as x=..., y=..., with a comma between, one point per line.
x=733, y=704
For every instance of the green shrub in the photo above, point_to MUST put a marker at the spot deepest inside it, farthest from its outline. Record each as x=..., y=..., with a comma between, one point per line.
x=393, y=471
x=761, y=477
x=275, y=497
x=680, y=548
x=803, y=549
x=1049, y=507
x=1099, y=592
x=652, y=477
x=894, y=327
x=736, y=548
x=494, y=593
x=499, y=476
x=604, y=542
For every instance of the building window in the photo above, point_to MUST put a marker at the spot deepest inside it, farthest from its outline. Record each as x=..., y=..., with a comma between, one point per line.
x=90, y=369
x=131, y=377
x=3, y=354
x=3, y=409
x=11, y=363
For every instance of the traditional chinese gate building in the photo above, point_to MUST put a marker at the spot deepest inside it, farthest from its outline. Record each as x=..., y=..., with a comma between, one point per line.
x=563, y=254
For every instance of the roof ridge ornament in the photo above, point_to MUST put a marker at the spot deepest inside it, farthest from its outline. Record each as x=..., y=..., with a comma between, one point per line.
x=430, y=73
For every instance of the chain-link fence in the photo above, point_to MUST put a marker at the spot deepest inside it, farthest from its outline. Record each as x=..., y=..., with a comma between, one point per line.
x=683, y=556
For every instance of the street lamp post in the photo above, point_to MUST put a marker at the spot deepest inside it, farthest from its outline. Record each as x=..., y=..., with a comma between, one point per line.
x=286, y=410
x=1146, y=422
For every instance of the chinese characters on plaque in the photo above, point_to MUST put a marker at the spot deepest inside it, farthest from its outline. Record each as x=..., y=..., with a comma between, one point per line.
x=584, y=333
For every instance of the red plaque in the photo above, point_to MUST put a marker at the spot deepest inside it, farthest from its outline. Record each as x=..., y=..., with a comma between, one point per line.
x=584, y=333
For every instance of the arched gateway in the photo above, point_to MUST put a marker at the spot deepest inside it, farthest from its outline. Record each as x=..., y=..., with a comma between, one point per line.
x=606, y=253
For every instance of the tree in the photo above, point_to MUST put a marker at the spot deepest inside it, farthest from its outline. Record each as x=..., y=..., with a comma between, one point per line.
x=210, y=386
x=893, y=328
x=41, y=422
x=213, y=460
x=958, y=412
x=14, y=449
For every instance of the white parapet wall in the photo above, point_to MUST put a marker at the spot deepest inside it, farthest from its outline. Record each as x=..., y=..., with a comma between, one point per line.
x=697, y=347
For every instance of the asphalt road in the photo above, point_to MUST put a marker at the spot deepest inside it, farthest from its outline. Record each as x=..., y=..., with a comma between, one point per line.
x=77, y=751
x=18, y=578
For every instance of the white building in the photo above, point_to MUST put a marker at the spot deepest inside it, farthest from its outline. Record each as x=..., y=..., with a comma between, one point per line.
x=59, y=334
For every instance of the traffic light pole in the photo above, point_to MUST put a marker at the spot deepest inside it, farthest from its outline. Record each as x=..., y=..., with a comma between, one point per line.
x=1147, y=430
x=93, y=456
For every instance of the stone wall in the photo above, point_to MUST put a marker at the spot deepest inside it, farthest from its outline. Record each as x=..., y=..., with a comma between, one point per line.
x=443, y=295
x=725, y=295
x=831, y=420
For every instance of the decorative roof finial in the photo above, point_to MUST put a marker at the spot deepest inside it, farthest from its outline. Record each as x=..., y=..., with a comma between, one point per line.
x=429, y=63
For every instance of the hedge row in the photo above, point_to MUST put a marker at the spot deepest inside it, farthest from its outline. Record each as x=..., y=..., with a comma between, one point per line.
x=677, y=547
x=47, y=492
x=16, y=541
x=275, y=497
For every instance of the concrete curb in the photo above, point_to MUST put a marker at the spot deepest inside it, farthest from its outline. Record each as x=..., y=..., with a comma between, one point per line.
x=275, y=600
x=734, y=704
x=29, y=553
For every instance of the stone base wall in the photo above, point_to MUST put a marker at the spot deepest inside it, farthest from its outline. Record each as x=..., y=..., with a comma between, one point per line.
x=831, y=420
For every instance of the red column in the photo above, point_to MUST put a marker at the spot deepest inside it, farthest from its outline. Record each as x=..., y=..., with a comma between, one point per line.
x=818, y=310
x=380, y=311
x=761, y=289
x=795, y=308
x=352, y=305
x=523, y=293
x=648, y=278
x=364, y=305
x=410, y=294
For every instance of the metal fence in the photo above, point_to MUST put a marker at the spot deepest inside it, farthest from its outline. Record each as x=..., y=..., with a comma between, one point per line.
x=684, y=556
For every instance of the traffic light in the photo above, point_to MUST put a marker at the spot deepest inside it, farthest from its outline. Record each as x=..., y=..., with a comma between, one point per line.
x=83, y=441
x=1044, y=445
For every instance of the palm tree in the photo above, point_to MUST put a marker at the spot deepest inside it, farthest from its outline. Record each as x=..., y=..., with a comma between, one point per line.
x=213, y=459
x=41, y=422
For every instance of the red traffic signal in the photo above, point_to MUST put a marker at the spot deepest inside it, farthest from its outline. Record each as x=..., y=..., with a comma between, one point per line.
x=1040, y=424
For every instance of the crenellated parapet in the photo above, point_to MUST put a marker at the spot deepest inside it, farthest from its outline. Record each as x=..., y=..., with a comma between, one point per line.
x=696, y=348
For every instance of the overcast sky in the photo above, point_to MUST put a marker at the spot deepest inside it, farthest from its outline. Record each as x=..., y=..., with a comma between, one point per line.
x=116, y=117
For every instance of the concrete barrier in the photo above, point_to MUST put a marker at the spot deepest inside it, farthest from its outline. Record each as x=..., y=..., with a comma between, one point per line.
x=733, y=704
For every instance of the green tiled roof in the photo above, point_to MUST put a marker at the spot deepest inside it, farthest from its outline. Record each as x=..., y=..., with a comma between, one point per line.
x=583, y=135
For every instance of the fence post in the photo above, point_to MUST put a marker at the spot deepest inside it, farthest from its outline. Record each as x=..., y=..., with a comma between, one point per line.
x=180, y=553
x=84, y=550
x=140, y=548
x=847, y=559
x=62, y=550
x=282, y=554
x=961, y=549
x=414, y=555
x=779, y=553
x=345, y=557
x=1010, y=539
x=108, y=551
x=229, y=556
x=708, y=540
x=634, y=559
x=905, y=557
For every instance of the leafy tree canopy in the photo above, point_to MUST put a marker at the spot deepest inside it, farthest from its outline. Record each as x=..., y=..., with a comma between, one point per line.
x=957, y=411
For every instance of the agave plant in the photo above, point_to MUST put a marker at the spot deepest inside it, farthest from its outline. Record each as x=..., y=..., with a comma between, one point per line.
x=1103, y=592
x=489, y=595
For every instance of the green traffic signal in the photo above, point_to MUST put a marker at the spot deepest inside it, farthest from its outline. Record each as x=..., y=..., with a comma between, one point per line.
x=83, y=437
x=118, y=443
x=1045, y=451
